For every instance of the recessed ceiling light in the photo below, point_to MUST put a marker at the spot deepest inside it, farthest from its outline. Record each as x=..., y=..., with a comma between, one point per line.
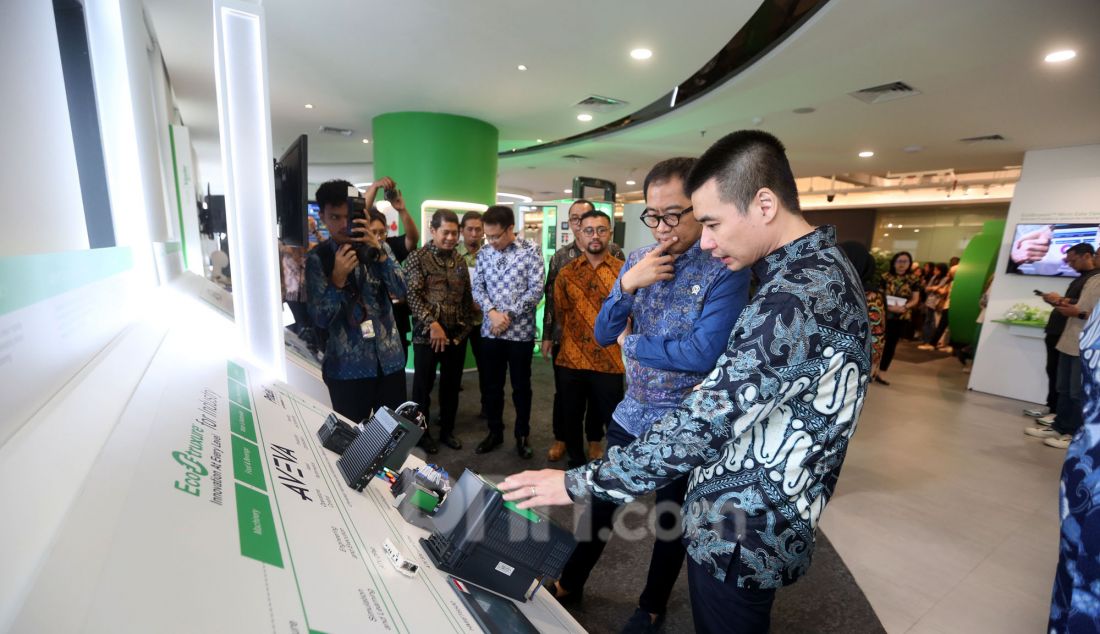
x=567, y=191
x=916, y=230
x=890, y=226
x=366, y=140
x=866, y=154
x=521, y=67
x=641, y=53
x=584, y=116
x=538, y=140
x=1060, y=56
x=631, y=182
x=886, y=235
x=309, y=106
x=901, y=226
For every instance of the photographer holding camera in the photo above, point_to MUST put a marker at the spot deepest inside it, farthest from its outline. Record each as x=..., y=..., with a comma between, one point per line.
x=350, y=279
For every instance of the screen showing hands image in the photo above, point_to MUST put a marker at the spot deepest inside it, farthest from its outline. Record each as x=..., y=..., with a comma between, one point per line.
x=1040, y=249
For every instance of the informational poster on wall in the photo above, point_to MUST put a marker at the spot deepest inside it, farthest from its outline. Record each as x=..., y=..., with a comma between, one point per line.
x=215, y=509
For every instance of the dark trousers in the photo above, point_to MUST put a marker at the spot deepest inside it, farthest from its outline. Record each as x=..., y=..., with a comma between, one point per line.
x=559, y=429
x=1069, y=416
x=475, y=348
x=940, y=328
x=450, y=362
x=301, y=315
x=895, y=330
x=358, y=398
x=667, y=557
x=500, y=357
x=588, y=399
x=1051, y=340
x=722, y=607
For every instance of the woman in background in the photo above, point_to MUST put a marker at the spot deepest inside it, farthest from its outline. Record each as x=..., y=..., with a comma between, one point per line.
x=902, y=294
x=864, y=265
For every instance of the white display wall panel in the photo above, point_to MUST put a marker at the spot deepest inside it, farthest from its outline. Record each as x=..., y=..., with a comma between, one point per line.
x=1061, y=185
x=213, y=507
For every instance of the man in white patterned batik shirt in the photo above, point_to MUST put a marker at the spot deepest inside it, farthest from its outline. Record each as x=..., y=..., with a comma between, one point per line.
x=507, y=286
x=763, y=438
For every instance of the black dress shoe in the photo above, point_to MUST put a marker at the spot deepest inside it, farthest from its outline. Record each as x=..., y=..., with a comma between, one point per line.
x=428, y=443
x=449, y=440
x=880, y=380
x=522, y=448
x=491, y=442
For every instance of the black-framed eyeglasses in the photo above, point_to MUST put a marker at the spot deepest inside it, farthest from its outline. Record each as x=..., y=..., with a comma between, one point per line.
x=591, y=231
x=671, y=219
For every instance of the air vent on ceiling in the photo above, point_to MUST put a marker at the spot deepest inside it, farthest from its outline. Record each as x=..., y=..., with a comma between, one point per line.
x=600, y=104
x=575, y=157
x=885, y=92
x=979, y=139
x=327, y=129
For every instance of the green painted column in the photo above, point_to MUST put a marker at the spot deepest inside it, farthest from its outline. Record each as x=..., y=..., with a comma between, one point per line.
x=975, y=266
x=435, y=156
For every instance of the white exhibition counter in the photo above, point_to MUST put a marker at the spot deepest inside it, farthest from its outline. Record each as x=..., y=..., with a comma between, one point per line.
x=211, y=507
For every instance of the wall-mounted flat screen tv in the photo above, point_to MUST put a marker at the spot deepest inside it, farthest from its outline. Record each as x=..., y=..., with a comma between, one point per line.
x=1040, y=249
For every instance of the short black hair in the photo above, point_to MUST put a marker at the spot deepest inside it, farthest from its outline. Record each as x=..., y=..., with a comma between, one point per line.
x=499, y=216
x=582, y=201
x=374, y=216
x=469, y=215
x=743, y=163
x=1083, y=248
x=894, y=260
x=443, y=215
x=668, y=169
x=596, y=213
x=332, y=193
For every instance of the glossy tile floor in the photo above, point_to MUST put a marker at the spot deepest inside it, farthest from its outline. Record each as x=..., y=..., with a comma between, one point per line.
x=946, y=514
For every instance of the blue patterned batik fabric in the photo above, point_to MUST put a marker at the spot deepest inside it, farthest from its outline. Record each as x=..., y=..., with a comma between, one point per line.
x=763, y=438
x=509, y=281
x=1075, y=605
x=680, y=326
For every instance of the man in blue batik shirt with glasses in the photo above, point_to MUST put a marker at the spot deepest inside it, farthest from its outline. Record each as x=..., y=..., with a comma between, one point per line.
x=672, y=310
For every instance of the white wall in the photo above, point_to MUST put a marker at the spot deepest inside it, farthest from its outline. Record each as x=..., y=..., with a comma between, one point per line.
x=1056, y=185
x=40, y=181
x=119, y=44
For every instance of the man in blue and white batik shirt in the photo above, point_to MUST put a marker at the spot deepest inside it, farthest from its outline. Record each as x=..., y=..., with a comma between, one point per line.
x=763, y=438
x=507, y=286
x=1075, y=605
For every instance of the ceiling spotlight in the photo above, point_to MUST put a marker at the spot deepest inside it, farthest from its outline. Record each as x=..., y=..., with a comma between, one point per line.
x=885, y=235
x=538, y=140
x=641, y=53
x=584, y=116
x=521, y=67
x=916, y=230
x=631, y=182
x=309, y=106
x=901, y=226
x=866, y=154
x=890, y=226
x=1060, y=56
x=366, y=140
x=567, y=191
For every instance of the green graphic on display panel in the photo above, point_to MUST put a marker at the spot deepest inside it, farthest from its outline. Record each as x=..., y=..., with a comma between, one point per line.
x=976, y=264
